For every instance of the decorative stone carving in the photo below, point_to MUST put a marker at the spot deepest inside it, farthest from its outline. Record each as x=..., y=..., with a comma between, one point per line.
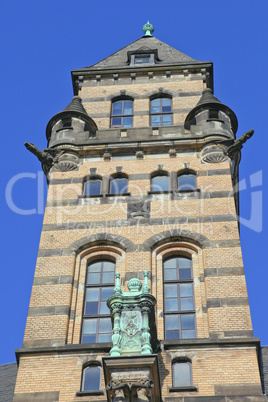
x=107, y=155
x=139, y=154
x=172, y=152
x=138, y=210
x=131, y=312
x=48, y=157
x=68, y=161
x=213, y=154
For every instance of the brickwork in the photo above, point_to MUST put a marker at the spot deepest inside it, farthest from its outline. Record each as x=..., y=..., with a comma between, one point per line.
x=199, y=224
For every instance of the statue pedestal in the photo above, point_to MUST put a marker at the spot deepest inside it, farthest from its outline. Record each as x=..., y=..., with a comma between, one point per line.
x=132, y=378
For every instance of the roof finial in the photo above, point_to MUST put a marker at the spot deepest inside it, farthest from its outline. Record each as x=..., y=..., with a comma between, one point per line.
x=148, y=29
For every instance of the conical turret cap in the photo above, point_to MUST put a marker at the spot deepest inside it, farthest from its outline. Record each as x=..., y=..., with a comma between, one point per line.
x=74, y=109
x=208, y=101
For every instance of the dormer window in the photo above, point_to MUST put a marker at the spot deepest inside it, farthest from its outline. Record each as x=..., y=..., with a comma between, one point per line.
x=143, y=59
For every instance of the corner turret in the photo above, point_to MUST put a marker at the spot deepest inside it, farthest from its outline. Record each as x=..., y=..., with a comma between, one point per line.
x=71, y=126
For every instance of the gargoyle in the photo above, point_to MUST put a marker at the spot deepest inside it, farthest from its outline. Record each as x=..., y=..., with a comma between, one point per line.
x=48, y=157
x=237, y=145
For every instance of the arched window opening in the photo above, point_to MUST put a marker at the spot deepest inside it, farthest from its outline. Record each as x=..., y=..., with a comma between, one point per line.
x=97, y=326
x=179, y=306
x=160, y=182
x=92, y=187
x=91, y=379
x=161, y=111
x=187, y=181
x=118, y=185
x=122, y=113
x=182, y=374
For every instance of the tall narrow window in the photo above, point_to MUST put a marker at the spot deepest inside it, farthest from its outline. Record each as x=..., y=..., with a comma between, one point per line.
x=187, y=181
x=99, y=287
x=179, y=298
x=122, y=113
x=91, y=380
x=181, y=374
x=160, y=182
x=118, y=185
x=92, y=187
x=161, y=111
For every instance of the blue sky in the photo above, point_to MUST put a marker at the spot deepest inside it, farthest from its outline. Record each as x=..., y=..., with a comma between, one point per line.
x=42, y=41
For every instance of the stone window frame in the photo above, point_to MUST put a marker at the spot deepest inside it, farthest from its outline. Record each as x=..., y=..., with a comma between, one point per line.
x=185, y=172
x=161, y=95
x=93, y=253
x=159, y=253
x=86, y=366
x=98, y=316
x=118, y=175
x=117, y=99
x=187, y=387
x=89, y=178
x=156, y=174
x=177, y=282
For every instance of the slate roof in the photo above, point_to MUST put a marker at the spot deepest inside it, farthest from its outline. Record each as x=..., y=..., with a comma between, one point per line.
x=8, y=374
x=166, y=54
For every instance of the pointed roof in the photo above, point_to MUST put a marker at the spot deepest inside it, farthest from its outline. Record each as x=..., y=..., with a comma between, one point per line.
x=165, y=54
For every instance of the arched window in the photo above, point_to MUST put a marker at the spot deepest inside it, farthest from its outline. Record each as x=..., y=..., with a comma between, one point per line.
x=161, y=111
x=91, y=378
x=122, y=113
x=182, y=374
x=160, y=182
x=118, y=184
x=186, y=181
x=99, y=287
x=92, y=186
x=179, y=298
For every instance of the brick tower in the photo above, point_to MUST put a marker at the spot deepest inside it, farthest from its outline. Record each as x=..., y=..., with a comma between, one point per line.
x=141, y=167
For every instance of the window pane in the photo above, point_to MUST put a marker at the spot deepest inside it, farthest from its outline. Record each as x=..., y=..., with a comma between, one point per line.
x=181, y=374
x=108, y=277
x=92, y=295
x=155, y=120
x=172, y=322
x=166, y=102
x=170, y=274
x=187, y=304
x=187, y=321
x=160, y=183
x=89, y=326
x=95, y=267
x=141, y=59
x=89, y=338
x=91, y=379
x=185, y=262
x=171, y=305
x=171, y=291
x=93, y=278
x=118, y=186
x=187, y=182
x=116, y=122
x=170, y=263
x=185, y=273
x=127, y=121
x=167, y=119
x=172, y=335
x=117, y=107
x=128, y=107
x=91, y=308
x=156, y=103
x=108, y=266
x=104, y=338
x=186, y=289
x=106, y=293
x=92, y=187
x=188, y=334
x=104, y=308
x=105, y=325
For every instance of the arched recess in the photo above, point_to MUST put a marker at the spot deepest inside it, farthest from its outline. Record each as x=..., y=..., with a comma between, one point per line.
x=97, y=247
x=176, y=242
x=176, y=235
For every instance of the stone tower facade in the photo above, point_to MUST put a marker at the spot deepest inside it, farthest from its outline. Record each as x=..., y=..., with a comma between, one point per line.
x=141, y=167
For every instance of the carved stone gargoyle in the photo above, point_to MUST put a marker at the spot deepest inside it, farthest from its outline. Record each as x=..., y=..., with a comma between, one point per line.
x=236, y=145
x=48, y=157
